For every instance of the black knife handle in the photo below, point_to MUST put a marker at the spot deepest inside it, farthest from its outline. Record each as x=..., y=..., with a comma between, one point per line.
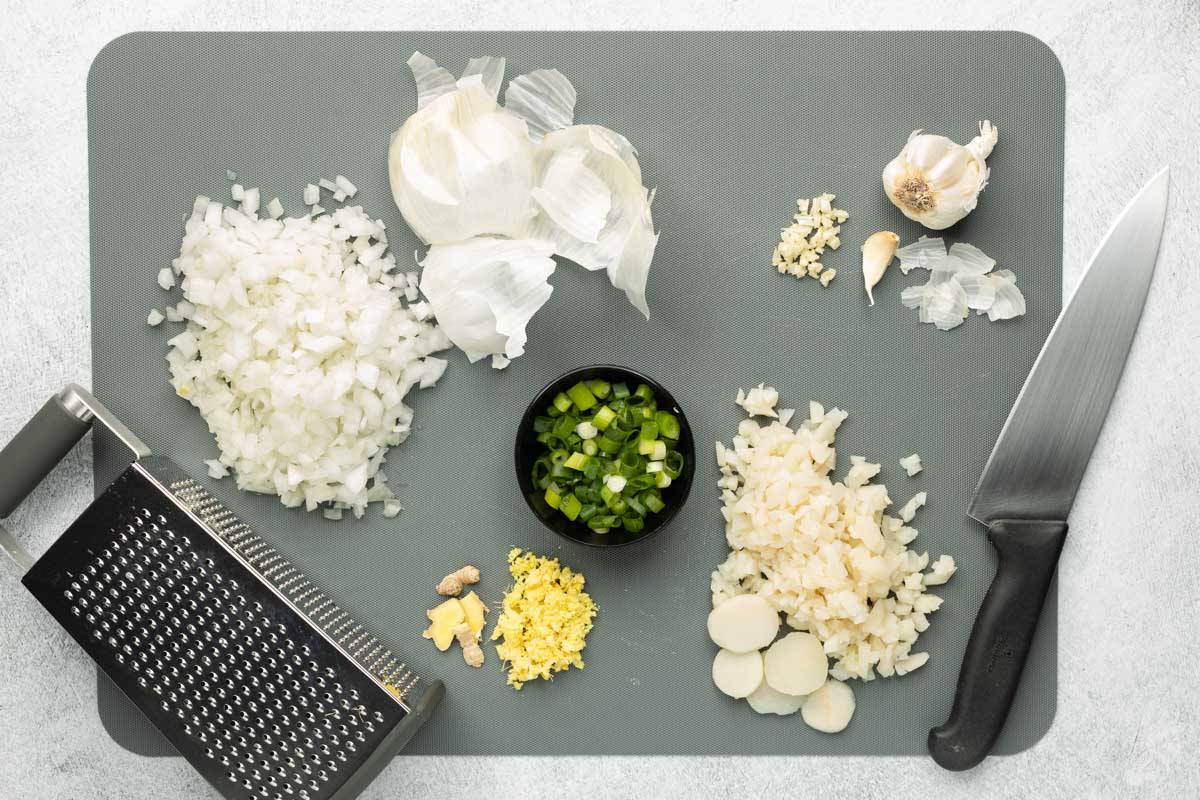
x=999, y=643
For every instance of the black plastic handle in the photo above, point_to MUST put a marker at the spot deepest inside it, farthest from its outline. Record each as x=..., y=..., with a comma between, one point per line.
x=35, y=450
x=999, y=643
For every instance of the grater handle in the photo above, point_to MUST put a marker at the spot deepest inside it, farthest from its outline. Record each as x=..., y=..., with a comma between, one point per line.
x=36, y=449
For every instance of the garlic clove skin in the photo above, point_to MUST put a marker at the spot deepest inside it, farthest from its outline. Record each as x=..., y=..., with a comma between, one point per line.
x=877, y=253
x=935, y=181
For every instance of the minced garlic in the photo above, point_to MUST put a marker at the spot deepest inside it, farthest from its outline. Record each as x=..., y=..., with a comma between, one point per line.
x=815, y=226
x=544, y=620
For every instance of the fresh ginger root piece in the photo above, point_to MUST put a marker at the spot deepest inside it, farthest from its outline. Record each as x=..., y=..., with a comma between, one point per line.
x=442, y=621
x=476, y=612
x=472, y=652
x=452, y=584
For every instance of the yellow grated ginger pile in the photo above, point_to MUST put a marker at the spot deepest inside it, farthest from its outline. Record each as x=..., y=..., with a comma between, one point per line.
x=545, y=619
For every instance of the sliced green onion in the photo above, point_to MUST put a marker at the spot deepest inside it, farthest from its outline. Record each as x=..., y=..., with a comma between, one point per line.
x=593, y=469
x=577, y=461
x=553, y=496
x=558, y=456
x=602, y=521
x=600, y=387
x=659, y=451
x=654, y=466
x=608, y=445
x=590, y=447
x=620, y=391
x=562, y=403
x=649, y=431
x=636, y=506
x=588, y=511
x=652, y=500
x=581, y=396
x=560, y=474
x=645, y=392
x=639, y=482
x=668, y=425
x=664, y=480
x=673, y=464
x=633, y=524
x=604, y=417
x=542, y=424
x=570, y=506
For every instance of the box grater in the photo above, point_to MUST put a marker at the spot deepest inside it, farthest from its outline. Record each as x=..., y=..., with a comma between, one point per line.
x=249, y=670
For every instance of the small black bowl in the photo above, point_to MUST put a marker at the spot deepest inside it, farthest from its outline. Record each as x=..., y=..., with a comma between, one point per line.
x=528, y=449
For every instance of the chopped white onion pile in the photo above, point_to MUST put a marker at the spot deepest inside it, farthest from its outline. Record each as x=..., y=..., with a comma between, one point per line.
x=298, y=351
x=475, y=179
x=822, y=552
x=959, y=280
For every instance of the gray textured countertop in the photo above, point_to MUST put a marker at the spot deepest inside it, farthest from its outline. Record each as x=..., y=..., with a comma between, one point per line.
x=1128, y=708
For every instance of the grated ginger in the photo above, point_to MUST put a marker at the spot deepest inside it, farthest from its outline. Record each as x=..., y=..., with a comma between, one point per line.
x=544, y=620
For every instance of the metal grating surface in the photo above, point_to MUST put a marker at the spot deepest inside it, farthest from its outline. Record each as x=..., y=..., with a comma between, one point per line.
x=261, y=704
x=731, y=128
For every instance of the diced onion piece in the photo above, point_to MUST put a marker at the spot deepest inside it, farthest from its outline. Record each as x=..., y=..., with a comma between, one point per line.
x=154, y=318
x=348, y=188
x=275, y=208
x=166, y=278
x=312, y=194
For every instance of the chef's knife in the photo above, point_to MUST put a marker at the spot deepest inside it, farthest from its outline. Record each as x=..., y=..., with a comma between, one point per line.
x=1030, y=480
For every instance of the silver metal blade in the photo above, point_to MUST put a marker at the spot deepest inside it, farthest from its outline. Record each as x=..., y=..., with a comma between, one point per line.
x=1043, y=450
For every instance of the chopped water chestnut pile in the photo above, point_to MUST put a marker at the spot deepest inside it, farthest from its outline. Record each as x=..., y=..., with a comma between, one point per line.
x=959, y=280
x=299, y=351
x=608, y=454
x=824, y=554
x=495, y=190
x=544, y=621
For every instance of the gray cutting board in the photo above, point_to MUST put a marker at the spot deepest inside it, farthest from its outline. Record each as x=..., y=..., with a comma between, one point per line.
x=731, y=128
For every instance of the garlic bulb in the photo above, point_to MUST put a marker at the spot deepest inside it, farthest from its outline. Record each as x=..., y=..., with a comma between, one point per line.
x=937, y=182
x=877, y=253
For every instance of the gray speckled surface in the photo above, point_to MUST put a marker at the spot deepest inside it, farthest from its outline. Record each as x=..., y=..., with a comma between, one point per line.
x=1128, y=707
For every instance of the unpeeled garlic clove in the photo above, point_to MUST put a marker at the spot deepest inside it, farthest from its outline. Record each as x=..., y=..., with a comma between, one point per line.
x=877, y=253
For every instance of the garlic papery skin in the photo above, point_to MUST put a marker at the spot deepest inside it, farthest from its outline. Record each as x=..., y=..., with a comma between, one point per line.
x=877, y=253
x=937, y=182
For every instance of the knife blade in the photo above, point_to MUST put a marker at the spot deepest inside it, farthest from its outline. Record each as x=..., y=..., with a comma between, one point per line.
x=1029, y=482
